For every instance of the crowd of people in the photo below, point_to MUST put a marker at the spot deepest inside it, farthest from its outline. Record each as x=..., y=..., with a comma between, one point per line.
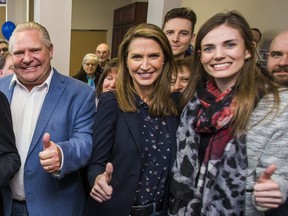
x=178, y=124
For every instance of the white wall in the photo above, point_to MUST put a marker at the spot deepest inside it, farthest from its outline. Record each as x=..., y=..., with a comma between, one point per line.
x=96, y=14
x=55, y=15
x=57, y=21
x=269, y=16
x=16, y=11
x=158, y=8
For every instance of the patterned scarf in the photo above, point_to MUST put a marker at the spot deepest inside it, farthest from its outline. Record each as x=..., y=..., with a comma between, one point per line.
x=217, y=185
x=90, y=81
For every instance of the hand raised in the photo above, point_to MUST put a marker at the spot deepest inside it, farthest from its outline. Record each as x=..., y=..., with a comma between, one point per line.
x=267, y=192
x=101, y=190
x=50, y=157
x=267, y=174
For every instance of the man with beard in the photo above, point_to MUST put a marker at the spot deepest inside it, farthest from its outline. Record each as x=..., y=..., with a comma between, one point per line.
x=278, y=58
x=278, y=65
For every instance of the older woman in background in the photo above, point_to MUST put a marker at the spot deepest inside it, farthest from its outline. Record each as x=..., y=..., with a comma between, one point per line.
x=182, y=74
x=87, y=72
x=107, y=80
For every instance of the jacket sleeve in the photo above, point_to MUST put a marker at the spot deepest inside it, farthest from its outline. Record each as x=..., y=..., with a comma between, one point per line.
x=103, y=135
x=9, y=157
x=267, y=142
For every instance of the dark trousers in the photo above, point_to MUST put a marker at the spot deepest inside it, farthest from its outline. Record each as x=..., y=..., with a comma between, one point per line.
x=19, y=208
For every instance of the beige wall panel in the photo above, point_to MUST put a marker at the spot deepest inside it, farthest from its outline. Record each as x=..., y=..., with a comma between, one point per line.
x=83, y=42
x=2, y=19
x=269, y=16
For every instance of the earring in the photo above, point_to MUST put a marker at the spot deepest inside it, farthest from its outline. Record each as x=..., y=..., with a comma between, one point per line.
x=248, y=56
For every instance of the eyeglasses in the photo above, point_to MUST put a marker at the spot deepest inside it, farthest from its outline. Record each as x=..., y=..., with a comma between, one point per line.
x=90, y=64
x=4, y=49
x=101, y=52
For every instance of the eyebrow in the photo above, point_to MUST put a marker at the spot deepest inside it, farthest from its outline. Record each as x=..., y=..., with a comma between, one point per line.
x=276, y=52
x=227, y=41
x=152, y=53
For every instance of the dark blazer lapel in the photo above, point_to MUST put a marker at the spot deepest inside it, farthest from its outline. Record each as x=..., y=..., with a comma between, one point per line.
x=55, y=91
x=133, y=125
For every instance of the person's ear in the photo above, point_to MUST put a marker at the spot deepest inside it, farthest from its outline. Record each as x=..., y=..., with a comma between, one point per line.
x=51, y=50
x=192, y=38
x=247, y=55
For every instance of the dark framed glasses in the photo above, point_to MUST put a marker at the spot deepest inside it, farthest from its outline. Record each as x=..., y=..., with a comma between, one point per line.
x=4, y=49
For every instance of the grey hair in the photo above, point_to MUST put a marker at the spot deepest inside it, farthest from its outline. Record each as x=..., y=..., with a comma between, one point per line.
x=90, y=56
x=29, y=26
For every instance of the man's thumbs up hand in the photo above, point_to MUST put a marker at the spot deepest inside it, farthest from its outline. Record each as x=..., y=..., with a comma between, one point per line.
x=50, y=157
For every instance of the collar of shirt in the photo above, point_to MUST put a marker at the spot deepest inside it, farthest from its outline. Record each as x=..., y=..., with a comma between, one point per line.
x=139, y=102
x=47, y=82
x=88, y=77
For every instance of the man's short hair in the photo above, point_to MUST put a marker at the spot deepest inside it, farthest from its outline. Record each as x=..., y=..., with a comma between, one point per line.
x=183, y=12
x=258, y=31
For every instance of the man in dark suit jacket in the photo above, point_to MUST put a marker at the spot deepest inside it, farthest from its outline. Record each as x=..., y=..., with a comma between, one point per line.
x=9, y=157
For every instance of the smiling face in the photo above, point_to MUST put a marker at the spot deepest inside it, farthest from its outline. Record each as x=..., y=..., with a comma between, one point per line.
x=145, y=64
x=31, y=58
x=103, y=53
x=3, y=48
x=90, y=67
x=109, y=83
x=223, y=54
x=8, y=67
x=180, y=82
x=179, y=34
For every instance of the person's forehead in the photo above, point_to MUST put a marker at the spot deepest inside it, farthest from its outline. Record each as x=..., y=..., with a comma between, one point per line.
x=255, y=33
x=3, y=45
x=112, y=72
x=91, y=61
x=102, y=48
x=280, y=44
x=178, y=24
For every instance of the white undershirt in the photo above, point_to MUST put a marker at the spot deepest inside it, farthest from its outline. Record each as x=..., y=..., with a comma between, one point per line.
x=25, y=108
